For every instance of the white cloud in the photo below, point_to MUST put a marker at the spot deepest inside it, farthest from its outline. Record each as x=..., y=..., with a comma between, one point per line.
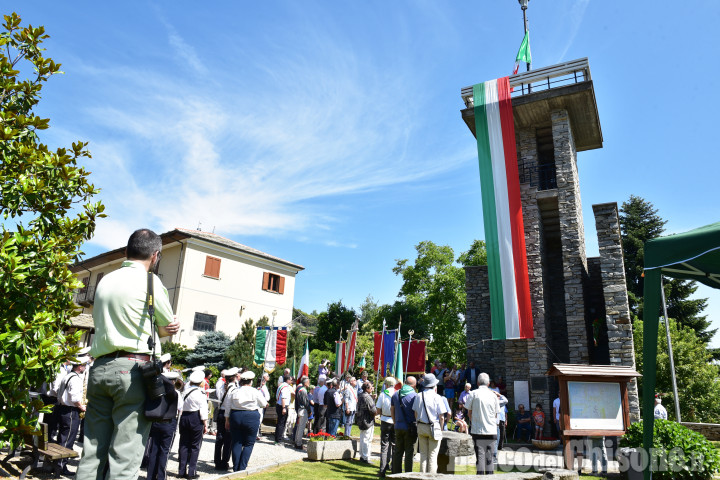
x=268, y=152
x=575, y=15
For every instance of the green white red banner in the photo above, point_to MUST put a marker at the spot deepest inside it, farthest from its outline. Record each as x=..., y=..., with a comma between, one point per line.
x=270, y=347
x=511, y=313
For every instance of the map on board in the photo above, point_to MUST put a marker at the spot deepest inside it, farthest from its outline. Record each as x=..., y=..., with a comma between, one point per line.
x=595, y=406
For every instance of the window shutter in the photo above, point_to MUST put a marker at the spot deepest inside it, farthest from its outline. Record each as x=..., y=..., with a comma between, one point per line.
x=212, y=267
x=281, y=284
x=86, y=282
x=99, y=277
x=266, y=281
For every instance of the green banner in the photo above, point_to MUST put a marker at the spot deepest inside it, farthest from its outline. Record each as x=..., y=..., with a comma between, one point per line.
x=260, y=336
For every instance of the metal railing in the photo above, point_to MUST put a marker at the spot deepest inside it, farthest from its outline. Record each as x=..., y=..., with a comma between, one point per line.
x=545, y=78
x=543, y=177
x=85, y=295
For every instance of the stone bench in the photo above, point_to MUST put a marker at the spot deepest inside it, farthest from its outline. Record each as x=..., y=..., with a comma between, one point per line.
x=452, y=446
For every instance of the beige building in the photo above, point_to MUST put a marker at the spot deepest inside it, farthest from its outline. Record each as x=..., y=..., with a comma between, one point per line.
x=215, y=284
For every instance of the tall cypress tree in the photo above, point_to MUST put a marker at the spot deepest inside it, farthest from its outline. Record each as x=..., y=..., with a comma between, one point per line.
x=640, y=222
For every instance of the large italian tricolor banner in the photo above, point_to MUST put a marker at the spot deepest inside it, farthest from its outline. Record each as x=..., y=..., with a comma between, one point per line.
x=511, y=314
x=340, y=351
x=270, y=347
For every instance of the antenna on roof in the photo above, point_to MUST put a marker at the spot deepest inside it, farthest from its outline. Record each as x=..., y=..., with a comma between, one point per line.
x=198, y=227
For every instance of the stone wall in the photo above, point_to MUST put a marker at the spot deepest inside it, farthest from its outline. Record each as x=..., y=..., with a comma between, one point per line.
x=710, y=431
x=572, y=235
x=617, y=309
x=488, y=355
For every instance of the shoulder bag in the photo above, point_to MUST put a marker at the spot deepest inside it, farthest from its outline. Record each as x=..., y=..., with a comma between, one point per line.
x=435, y=430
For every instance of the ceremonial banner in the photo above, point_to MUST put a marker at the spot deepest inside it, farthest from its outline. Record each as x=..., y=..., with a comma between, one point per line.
x=510, y=311
x=350, y=353
x=305, y=362
x=270, y=347
x=416, y=359
x=340, y=349
x=397, y=369
x=384, y=352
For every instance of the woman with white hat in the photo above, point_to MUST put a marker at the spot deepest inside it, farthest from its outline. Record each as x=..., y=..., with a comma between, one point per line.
x=193, y=425
x=429, y=411
x=242, y=419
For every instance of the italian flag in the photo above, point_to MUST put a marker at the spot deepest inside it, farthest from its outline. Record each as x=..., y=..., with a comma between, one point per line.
x=340, y=350
x=270, y=347
x=511, y=314
x=305, y=362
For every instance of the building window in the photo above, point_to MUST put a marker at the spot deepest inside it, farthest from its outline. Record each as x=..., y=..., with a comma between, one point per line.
x=212, y=267
x=99, y=277
x=273, y=283
x=204, y=322
x=86, y=282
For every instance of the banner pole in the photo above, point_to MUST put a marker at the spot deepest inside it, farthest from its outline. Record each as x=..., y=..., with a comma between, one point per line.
x=380, y=355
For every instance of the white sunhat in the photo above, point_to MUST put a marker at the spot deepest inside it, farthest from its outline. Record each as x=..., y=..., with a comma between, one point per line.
x=166, y=357
x=247, y=375
x=197, y=376
x=230, y=372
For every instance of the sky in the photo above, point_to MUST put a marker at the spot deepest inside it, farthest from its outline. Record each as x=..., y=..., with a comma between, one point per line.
x=329, y=133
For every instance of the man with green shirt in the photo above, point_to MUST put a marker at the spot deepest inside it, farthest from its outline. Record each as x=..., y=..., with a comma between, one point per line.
x=116, y=430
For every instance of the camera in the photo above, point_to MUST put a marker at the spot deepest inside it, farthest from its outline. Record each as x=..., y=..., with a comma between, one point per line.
x=152, y=378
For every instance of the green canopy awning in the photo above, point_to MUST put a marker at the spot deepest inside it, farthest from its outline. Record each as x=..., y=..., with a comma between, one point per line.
x=693, y=255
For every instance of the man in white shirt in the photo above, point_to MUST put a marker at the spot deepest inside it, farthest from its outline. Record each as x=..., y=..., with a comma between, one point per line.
x=660, y=411
x=556, y=418
x=283, y=397
x=70, y=395
x=483, y=408
x=387, y=427
x=263, y=389
x=349, y=404
x=223, y=441
x=319, y=398
x=429, y=410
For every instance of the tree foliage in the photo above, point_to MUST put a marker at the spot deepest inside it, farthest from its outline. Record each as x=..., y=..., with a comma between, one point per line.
x=330, y=322
x=697, y=377
x=49, y=196
x=177, y=351
x=210, y=350
x=240, y=353
x=435, y=287
x=640, y=222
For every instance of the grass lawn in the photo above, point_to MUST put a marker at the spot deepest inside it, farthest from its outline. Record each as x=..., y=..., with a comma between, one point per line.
x=342, y=469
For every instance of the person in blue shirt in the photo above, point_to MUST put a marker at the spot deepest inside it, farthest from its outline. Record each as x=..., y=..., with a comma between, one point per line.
x=405, y=425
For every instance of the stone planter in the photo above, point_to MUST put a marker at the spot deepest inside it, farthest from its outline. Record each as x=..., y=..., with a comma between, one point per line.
x=333, y=450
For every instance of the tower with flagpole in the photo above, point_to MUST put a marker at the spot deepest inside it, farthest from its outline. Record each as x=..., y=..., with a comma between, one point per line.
x=548, y=301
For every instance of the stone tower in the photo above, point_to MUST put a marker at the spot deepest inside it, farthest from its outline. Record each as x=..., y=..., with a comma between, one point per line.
x=579, y=304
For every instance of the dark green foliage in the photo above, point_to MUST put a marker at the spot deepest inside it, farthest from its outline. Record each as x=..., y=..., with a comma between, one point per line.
x=476, y=256
x=640, y=222
x=697, y=377
x=678, y=451
x=178, y=351
x=210, y=350
x=49, y=196
x=337, y=317
x=242, y=350
x=306, y=322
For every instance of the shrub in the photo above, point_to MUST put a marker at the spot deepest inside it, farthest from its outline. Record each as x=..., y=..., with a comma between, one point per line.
x=677, y=451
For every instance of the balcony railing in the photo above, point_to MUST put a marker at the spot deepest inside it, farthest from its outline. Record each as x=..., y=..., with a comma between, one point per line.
x=545, y=78
x=540, y=176
x=85, y=296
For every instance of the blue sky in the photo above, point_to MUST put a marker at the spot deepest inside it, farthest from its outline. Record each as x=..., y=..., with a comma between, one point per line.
x=329, y=133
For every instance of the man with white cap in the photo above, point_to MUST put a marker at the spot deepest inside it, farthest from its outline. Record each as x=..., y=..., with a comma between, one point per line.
x=69, y=406
x=193, y=425
x=430, y=414
x=161, y=437
x=116, y=429
x=166, y=360
x=223, y=441
x=242, y=419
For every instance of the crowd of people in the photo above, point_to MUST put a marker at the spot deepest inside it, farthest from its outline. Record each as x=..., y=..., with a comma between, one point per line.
x=116, y=434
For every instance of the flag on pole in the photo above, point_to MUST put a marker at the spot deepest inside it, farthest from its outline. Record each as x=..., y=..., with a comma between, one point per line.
x=414, y=355
x=270, y=347
x=384, y=352
x=340, y=348
x=361, y=363
x=510, y=311
x=305, y=362
x=351, y=346
x=397, y=370
x=523, y=55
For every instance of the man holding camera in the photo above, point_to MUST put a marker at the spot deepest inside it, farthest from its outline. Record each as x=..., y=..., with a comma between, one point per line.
x=116, y=429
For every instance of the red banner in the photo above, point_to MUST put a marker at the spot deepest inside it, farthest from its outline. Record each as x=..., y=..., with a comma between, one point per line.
x=415, y=363
x=281, y=346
